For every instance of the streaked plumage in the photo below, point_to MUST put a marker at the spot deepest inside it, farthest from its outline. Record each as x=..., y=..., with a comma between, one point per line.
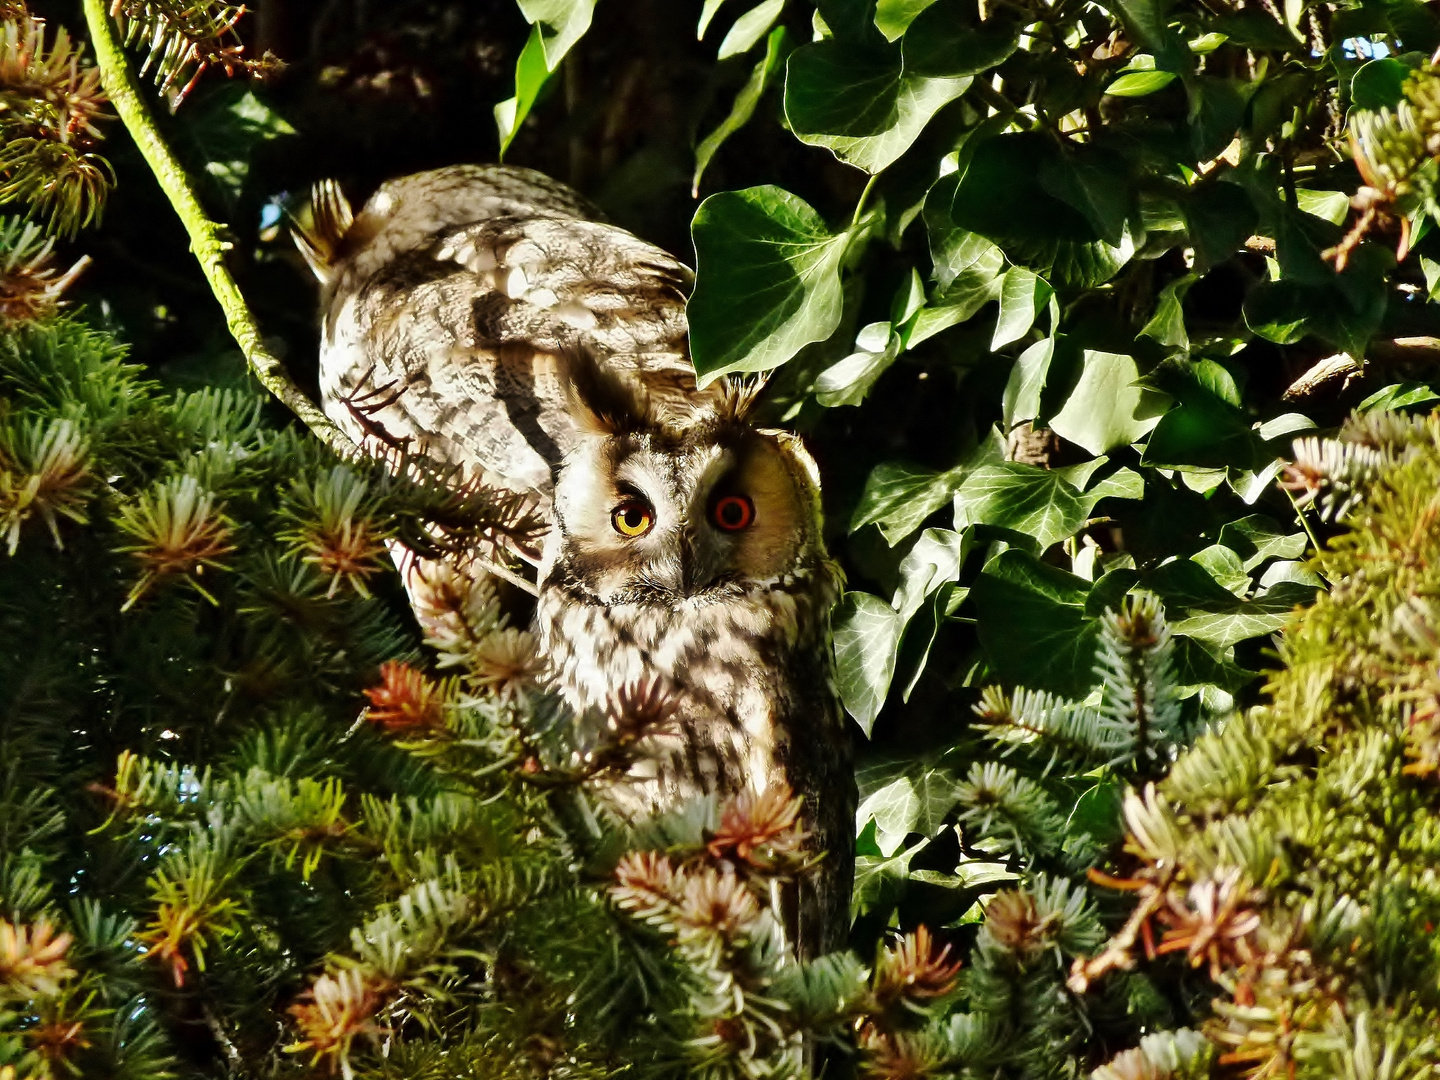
x=480, y=316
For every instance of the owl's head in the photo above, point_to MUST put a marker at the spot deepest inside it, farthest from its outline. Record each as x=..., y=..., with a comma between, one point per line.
x=662, y=514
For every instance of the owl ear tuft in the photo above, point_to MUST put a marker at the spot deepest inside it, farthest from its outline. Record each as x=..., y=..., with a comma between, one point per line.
x=602, y=401
x=739, y=395
x=320, y=237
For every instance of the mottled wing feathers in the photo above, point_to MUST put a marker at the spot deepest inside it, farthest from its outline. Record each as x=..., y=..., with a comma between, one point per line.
x=466, y=308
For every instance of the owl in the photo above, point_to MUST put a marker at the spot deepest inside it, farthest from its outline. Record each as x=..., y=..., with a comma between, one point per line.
x=492, y=323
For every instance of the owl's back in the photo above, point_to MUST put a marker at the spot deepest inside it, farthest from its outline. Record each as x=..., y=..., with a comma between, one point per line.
x=458, y=303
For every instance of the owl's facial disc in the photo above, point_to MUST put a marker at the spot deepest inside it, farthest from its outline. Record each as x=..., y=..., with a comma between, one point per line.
x=650, y=518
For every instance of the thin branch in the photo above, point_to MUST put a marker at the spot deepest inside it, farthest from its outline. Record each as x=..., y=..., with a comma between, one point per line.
x=205, y=235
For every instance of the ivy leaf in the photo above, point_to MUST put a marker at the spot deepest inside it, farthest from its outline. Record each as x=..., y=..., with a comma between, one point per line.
x=1203, y=608
x=894, y=809
x=1379, y=84
x=767, y=280
x=531, y=74
x=1204, y=431
x=1140, y=83
x=998, y=194
x=899, y=497
x=1167, y=325
x=1033, y=626
x=893, y=16
x=750, y=28
x=1096, y=182
x=556, y=25
x=707, y=13
x=1256, y=538
x=561, y=24
x=743, y=107
x=880, y=881
x=1107, y=409
x=1023, y=295
x=847, y=382
x=945, y=41
x=855, y=99
x=1245, y=619
x=867, y=633
x=1025, y=499
x=1021, y=400
x=934, y=560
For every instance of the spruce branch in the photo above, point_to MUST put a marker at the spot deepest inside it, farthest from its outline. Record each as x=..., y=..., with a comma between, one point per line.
x=32, y=961
x=30, y=283
x=49, y=103
x=207, y=241
x=183, y=38
x=45, y=474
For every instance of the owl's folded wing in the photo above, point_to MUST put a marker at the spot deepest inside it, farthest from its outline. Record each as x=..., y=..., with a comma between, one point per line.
x=463, y=304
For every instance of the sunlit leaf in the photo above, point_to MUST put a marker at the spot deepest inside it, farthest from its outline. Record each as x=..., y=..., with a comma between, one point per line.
x=767, y=280
x=750, y=28
x=867, y=633
x=855, y=99
x=1107, y=408
x=777, y=46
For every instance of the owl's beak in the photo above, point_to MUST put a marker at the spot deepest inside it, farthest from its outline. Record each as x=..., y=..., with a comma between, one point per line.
x=699, y=566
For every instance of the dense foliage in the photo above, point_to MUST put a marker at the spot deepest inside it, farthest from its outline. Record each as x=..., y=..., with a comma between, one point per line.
x=1050, y=289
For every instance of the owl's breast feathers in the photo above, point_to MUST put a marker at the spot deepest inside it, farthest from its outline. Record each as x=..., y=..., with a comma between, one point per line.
x=755, y=703
x=457, y=303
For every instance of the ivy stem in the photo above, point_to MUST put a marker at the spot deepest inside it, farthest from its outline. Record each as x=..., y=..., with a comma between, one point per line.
x=206, y=240
x=1305, y=524
x=864, y=198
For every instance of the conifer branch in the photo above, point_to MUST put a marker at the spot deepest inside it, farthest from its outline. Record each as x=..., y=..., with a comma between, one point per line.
x=206, y=236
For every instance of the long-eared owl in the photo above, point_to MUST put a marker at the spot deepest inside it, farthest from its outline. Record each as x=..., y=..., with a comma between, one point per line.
x=493, y=323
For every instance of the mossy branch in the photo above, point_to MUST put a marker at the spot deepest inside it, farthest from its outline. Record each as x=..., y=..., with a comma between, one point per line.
x=206, y=239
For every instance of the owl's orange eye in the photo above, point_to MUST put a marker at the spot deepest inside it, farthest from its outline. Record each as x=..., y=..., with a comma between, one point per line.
x=733, y=513
x=632, y=518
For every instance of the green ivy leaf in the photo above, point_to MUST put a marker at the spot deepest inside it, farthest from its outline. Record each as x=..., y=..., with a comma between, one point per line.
x=1024, y=499
x=556, y=25
x=847, y=382
x=945, y=41
x=1033, y=626
x=998, y=194
x=867, y=633
x=893, y=16
x=767, y=280
x=1167, y=325
x=1203, y=431
x=1023, y=295
x=707, y=14
x=899, y=497
x=855, y=99
x=934, y=560
x=750, y=28
x=1140, y=83
x=1021, y=400
x=1379, y=84
x=1107, y=409
x=777, y=47
x=894, y=809
x=531, y=74
x=1256, y=538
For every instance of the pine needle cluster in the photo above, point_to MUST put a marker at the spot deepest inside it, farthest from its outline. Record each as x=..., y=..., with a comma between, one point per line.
x=1288, y=854
x=50, y=105
x=181, y=39
x=1397, y=151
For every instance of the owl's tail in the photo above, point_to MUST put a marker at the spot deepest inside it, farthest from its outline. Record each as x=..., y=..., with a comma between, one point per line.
x=319, y=234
